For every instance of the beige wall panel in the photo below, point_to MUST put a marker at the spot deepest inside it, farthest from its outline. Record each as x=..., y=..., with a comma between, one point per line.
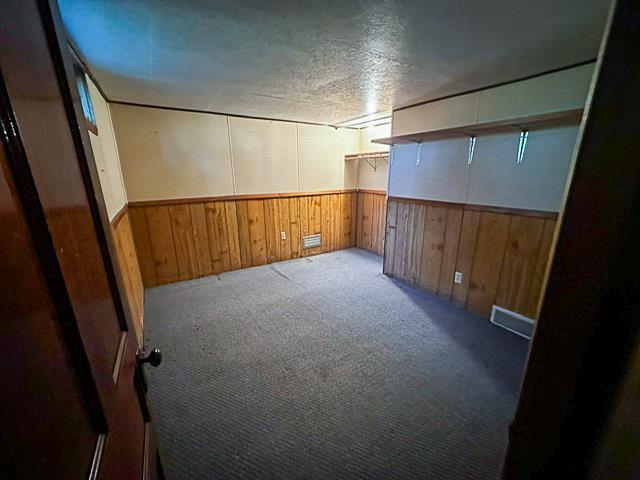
x=441, y=175
x=321, y=156
x=264, y=155
x=537, y=183
x=350, y=174
x=371, y=133
x=105, y=152
x=172, y=154
x=369, y=178
x=451, y=112
x=555, y=92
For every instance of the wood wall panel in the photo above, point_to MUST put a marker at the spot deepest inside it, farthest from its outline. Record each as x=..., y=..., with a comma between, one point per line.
x=222, y=228
x=501, y=255
x=371, y=212
x=464, y=257
x=252, y=232
x=141, y=239
x=201, y=242
x=488, y=259
x=272, y=231
x=450, y=252
x=129, y=266
x=184, y=241
x=294, y=233
x=520, y=256
x=161, y=240
x=402, y=235
x=390, y=238
x=432, y=247
x=414, y=231
x=180, y=241
x=544, y=253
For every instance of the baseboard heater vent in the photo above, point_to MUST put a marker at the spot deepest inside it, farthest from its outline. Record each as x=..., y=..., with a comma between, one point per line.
x=512, y=321
x=311, y=241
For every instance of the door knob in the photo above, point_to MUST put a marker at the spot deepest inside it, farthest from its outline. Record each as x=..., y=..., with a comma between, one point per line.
x=153, y=357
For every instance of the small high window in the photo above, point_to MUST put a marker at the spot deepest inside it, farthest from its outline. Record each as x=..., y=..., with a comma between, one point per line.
x=85, y=98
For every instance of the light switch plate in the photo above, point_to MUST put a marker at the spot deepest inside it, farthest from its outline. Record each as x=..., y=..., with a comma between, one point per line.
x=283, y=235
x=457, y=277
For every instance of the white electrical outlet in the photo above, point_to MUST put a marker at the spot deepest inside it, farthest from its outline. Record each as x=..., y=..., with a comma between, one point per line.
x=283, y=235
x=457, y=277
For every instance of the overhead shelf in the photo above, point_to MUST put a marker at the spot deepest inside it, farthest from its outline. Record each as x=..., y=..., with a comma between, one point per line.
x=367, y=156
x=547, y=120
x=370, y=157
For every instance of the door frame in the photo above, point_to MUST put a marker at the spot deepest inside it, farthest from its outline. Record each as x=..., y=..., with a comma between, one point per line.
x=64, y=60
x=588, y=329
x=51, y=160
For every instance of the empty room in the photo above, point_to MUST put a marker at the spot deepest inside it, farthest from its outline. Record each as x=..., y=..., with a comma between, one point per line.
x=320, y=240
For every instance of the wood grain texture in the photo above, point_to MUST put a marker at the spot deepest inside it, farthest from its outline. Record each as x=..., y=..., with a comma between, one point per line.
x=480, y=208
x=200, y=239
x=402, y=234
x=183, y=241
x=390, y=238
x=162, y=244
x=247, y=196
x=142, y=242
x=414, y=240
x=501, y=256
x=371, y=217
x=544, y=253
x=432, y=247
x=129, y=266
x=251, y=233
x=464, y=259
x=488, y=259
x=222, y=228
x=520, y=257
x=451, y=242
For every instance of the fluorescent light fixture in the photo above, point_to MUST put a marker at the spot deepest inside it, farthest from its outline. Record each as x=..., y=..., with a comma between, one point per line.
x=367, y=120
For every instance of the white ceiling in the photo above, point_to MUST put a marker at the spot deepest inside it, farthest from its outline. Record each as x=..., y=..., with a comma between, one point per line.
x=322, y=61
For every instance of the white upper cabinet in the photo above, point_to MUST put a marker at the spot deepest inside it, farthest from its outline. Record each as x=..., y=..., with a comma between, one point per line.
x=556, y=92
x=448, y=113
x=562, y=91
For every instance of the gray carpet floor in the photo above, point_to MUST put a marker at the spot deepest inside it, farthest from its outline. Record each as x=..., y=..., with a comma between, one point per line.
x=323, y=367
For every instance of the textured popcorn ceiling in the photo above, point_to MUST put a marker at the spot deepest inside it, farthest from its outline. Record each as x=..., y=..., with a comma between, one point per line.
x=322, y=61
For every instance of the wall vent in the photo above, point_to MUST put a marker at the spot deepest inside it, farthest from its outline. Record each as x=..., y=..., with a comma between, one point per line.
x=512, y=321
x=311, y=241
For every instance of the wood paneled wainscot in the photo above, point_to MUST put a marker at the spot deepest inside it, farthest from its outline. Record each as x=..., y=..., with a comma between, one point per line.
x=184, y=239
x=371, y=217
x=128, y=261
x=501, y=253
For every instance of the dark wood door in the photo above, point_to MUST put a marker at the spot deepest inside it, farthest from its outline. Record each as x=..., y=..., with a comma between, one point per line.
x=73, y=397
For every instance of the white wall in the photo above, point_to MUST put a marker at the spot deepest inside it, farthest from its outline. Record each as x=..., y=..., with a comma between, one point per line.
x=370, y=133
x=321, y=157
x=494, y=177
x=441, y=174
x=368, y=178
x=264, y=155
x=169, y=154
x=105, y=152
x=172, y=154
x=371, y=179
x=537, y=183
